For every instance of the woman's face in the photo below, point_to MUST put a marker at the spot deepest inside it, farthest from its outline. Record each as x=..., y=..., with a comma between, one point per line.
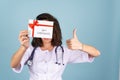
x=46, y=40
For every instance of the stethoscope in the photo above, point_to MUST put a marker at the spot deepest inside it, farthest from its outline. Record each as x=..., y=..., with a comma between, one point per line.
x=29, y=62
x=57, y=62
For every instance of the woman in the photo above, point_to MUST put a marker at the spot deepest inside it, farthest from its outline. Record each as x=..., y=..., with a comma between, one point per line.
x=50, y=58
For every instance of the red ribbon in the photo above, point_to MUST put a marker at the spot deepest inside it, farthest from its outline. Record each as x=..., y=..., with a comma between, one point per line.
x=36, y=23
x=31, y=25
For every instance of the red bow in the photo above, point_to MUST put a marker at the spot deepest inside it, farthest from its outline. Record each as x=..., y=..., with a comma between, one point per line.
x=35, y=23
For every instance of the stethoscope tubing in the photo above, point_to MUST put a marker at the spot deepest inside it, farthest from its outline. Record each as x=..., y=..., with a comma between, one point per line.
x=57, y=55
x=29, y=62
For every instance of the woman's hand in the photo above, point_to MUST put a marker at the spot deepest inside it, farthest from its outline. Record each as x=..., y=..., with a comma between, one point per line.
x=74, y=43
x=24, y=39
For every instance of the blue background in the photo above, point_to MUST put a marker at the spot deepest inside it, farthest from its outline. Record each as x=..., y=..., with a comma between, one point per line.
x=97, y=23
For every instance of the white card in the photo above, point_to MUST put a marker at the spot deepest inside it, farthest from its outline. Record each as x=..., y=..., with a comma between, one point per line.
x=40, y=28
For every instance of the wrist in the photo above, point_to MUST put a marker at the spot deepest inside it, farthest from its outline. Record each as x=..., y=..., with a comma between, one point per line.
x=82, y=47
x=23, y=46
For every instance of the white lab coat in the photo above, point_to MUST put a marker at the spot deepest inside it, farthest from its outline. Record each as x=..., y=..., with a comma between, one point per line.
x=44, y=67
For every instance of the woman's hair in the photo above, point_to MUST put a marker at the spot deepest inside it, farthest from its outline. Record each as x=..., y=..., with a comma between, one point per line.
x=56, y=37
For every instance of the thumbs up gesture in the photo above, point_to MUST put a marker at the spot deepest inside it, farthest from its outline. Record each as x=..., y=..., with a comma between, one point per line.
x=74, y=43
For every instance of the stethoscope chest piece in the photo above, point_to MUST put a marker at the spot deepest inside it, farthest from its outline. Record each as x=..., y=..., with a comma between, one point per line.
x=29, y=62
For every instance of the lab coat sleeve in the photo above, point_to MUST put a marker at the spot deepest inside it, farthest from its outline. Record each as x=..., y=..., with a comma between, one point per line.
x=23, y=60
x=77, y=56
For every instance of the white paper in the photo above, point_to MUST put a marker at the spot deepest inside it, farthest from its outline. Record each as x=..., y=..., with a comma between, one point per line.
x=45, y=30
